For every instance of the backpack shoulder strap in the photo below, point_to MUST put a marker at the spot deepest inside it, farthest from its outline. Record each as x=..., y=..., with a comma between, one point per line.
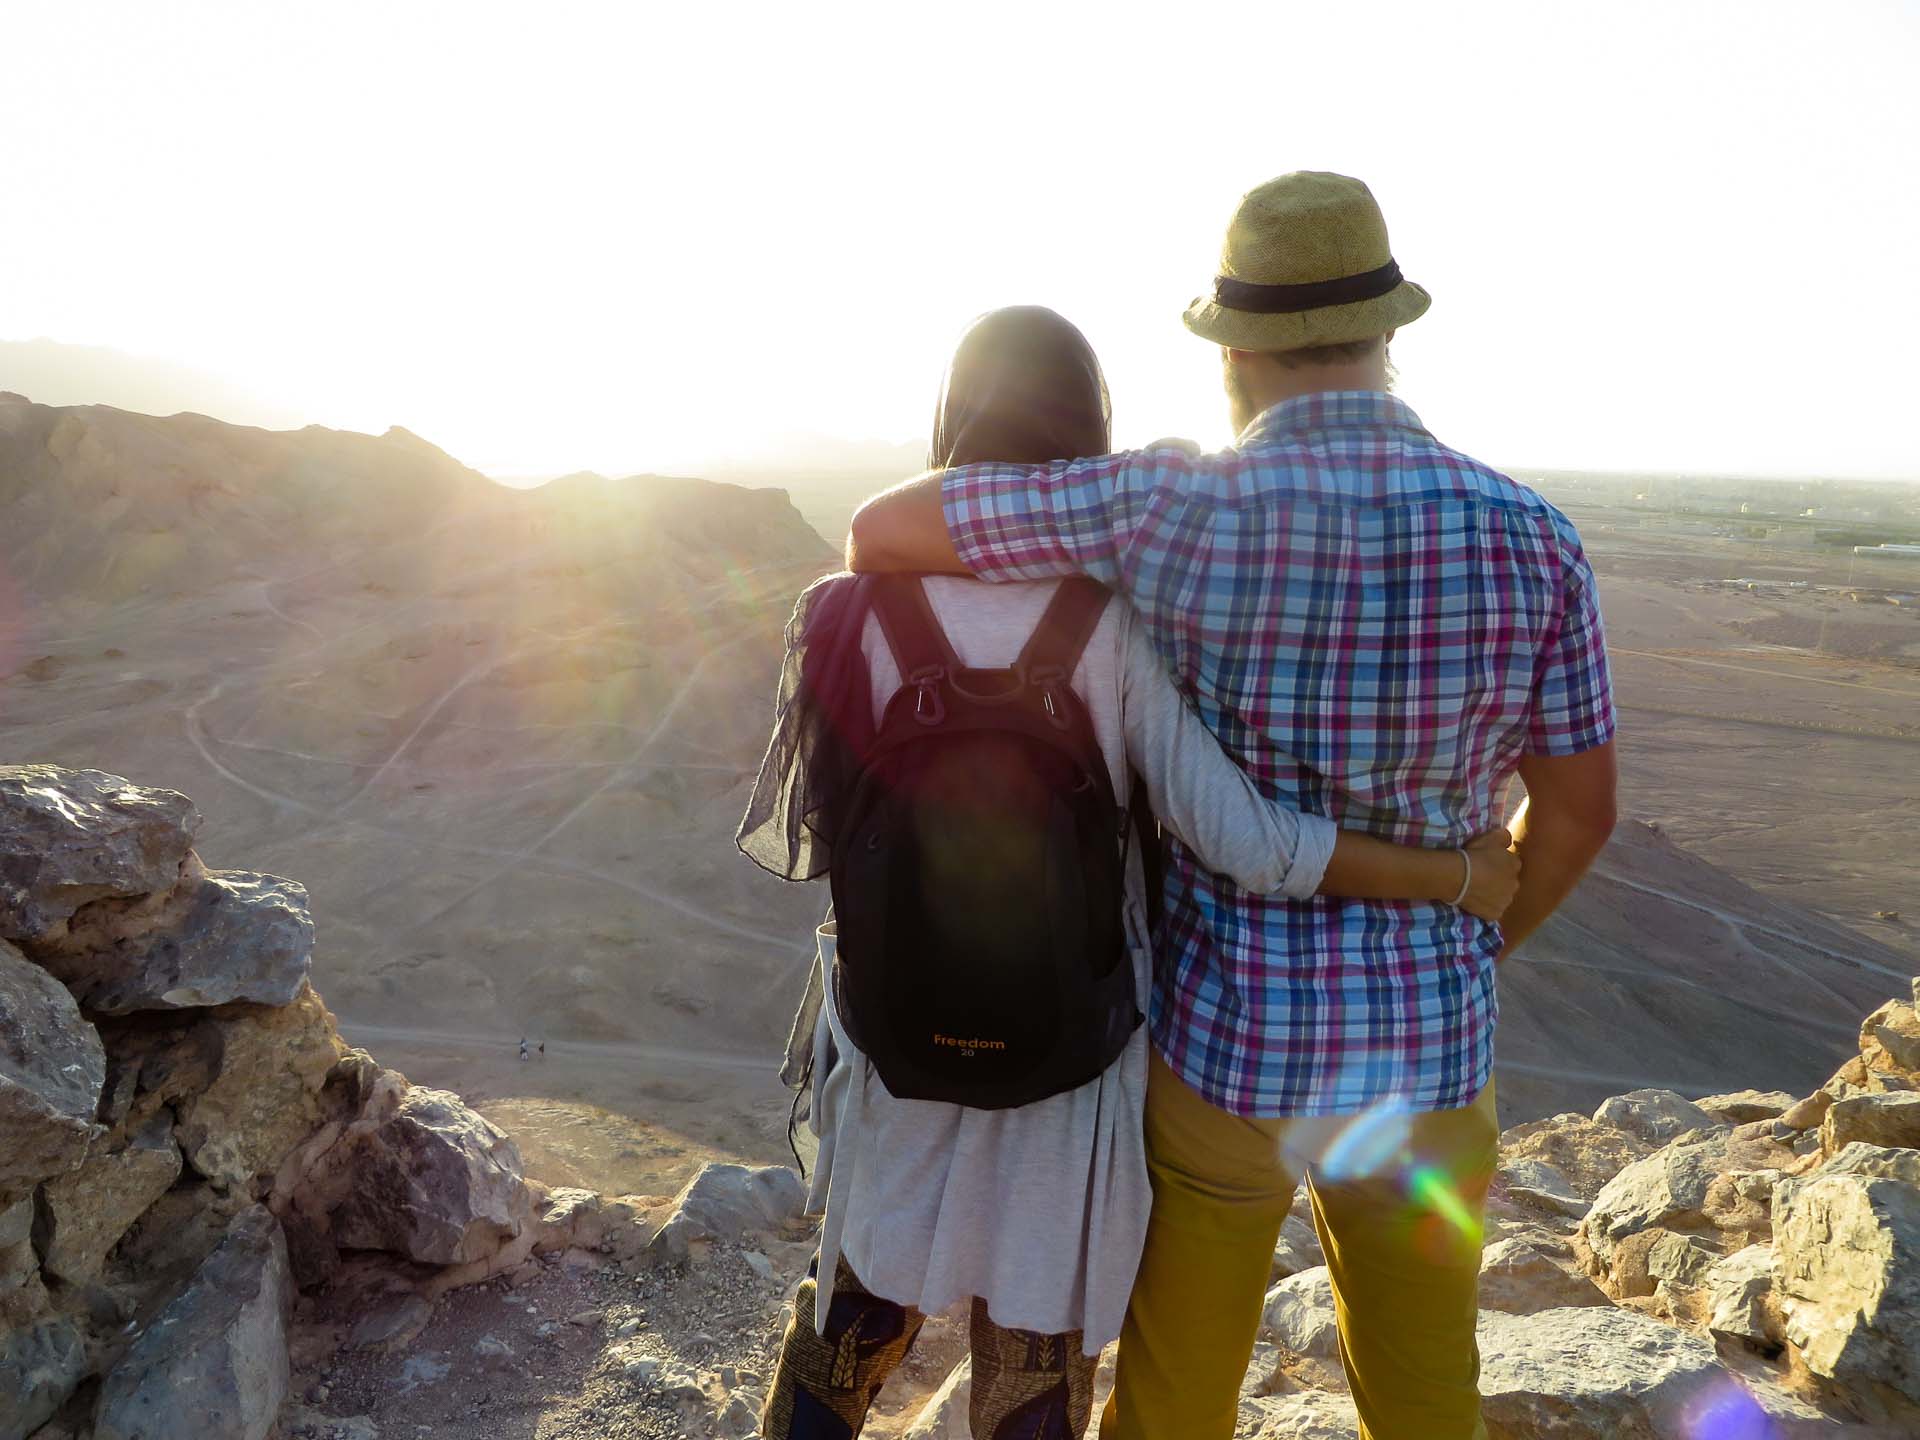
x=912, y=629
x=1069, y=622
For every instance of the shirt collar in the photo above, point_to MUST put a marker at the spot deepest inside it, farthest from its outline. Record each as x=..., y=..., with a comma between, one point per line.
x=1332, y=410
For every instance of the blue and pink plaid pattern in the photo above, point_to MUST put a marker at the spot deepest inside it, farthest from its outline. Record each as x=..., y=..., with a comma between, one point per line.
x=1377, y=628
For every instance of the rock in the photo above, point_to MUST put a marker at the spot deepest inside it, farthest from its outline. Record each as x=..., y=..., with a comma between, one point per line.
x=417, y=1174
x=1680, y=1260
x=1743, y=1107
x=642, y=1368
x=1308, y=1415
x=71, y=837
x=86, y=1211
x=1808, y=1113
x=1887, y=1120
x=19, y=1265
x=493, y=1352
x=1298, y=1249
x=944, y=1416
x=1300, y=1314
x=1890, y=1038
x=216, y=937
x=758, y=1263
x=391, y=1322
x=39, y=1368
x=213, y=1364
x=1587, y=1153
x=738, y=1419
x=1847, y=1272
x=1665, y=1190
x=1737, y=1288
x=299, y=1420
x=725, y=1202
x=587, y=1318
x=264, y=1096
x=52, y=1067
x=1857, y=1159
x=1539, y=1184
x=1520, y=1279
x=1600, y=1373
x=1656, y=1116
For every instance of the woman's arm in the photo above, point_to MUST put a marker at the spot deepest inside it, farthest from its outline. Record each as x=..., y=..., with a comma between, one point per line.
x=1214, y=807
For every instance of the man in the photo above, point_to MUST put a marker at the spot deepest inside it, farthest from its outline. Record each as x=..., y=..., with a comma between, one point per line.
x=1383, y=631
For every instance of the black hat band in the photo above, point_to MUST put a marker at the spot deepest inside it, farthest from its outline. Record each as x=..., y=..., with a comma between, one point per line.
x=1316, y=295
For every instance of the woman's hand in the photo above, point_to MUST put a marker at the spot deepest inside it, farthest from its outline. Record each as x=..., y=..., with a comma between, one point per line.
x=1496, y=875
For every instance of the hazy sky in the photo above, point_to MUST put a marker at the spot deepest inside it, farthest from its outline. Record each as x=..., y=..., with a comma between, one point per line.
x=1658, y=235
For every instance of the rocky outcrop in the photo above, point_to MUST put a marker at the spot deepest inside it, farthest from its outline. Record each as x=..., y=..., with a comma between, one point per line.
x=724, y=1202
x=39, y=1368
x=1656, y=1116
x=84, y=1213
x=52, y=1066
x=1665, y=1192
x=1520, y=1279
x=1300, y=1315
x=213, y=1365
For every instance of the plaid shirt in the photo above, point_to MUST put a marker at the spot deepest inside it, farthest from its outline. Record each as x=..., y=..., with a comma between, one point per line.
x=1377, y=628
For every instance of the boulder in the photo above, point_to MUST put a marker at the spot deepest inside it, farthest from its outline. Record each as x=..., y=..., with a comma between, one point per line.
x=39, y=1368
x=1885, y=1120
x=1300, y=1314
x=216, y=937
x=1808, y=1113
x=1587, y=1153
x=1743, y=1107
x=1298, y=1249
x=1847, y=1271
x=1520, y=1278
x=84, y=1213
x=1890, y=1039
x=213, y=1364
x=1736, y=1293
x=417, y=1174
x=52, y=1067
x=725, y=1202
x=1679, y=1261
x=944, y=1416
x=1308, y=1415
x=1656, y=1116
x=18, y=1262
x=1600, y=1373
x=1537, y=1184
x=263, y=1097
x=1666, y=1190
x=70, y=837
x=1856, y=1159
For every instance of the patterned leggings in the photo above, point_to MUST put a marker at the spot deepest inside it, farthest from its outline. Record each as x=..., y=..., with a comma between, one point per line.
x=1026, y=1386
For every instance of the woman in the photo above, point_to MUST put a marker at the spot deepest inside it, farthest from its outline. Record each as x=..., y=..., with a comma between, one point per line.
x=1037, y=1214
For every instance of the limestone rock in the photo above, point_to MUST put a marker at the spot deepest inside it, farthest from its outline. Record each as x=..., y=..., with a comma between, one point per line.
x=1299, y=1248
x=51, y=1069
x=19, y=1265
x=1600, y=1373
x=1743, y=1107
x=1890, y=1039
x=1808, y=1113
x=724, y=1202
x=1737, y=1289
x=1680, y=1260
x=39, y=1368
x=1541, y=1185
x=1857, y=1159
x=1887, y=1120
x=1656, y=1116
x=1665, y=1190
x=70, y=837
x=213, y=1364
x=263, y=1097
x=1586, y=1152
x=1308, y=1415
x=85, y=1212
x=1847, y=1268
x=944, y=1416
x=216, y=937
x=1520, y=1278
x=1300, y=1314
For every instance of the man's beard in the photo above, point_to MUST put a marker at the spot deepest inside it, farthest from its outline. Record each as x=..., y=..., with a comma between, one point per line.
x=1239, y=402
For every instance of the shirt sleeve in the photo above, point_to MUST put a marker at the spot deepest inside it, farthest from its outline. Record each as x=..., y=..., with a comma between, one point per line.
x=1073, y=517
x=1573, y=687
x=1203, y=797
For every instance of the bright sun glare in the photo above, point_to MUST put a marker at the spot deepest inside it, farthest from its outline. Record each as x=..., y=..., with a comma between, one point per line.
x=1658, y=234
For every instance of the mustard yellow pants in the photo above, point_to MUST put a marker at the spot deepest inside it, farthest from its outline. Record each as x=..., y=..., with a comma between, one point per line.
x=1403, y=1250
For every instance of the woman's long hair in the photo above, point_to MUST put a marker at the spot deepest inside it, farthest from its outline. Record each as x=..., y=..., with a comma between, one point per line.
x=1023, y=388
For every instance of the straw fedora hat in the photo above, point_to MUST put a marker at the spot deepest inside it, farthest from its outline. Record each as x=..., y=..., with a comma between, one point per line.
x=1306, y=263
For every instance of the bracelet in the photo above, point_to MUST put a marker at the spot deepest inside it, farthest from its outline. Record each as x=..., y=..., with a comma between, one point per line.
x=1466, y=884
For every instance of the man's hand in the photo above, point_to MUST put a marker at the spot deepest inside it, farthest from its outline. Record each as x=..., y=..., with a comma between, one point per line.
x=1496, y=875
x=1568, y=815
x=904, y=529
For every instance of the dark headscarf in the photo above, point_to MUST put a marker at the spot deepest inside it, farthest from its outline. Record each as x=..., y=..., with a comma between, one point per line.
x=1024, y=387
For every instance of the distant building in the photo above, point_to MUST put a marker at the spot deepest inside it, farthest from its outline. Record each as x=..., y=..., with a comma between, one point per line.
x=1888, y=552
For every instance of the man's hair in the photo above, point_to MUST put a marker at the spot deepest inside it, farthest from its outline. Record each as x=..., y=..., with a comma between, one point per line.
x=1345, y=353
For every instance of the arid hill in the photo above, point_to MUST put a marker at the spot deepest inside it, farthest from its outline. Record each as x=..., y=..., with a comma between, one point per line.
x=503, y=737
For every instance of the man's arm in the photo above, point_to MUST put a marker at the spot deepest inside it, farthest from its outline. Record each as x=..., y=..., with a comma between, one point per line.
x=1563, y=824
x=904, y=529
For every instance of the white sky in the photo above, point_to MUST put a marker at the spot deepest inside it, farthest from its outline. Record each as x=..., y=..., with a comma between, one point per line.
x=1671, y=235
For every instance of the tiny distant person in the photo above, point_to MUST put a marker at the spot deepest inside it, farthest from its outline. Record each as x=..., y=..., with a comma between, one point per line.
x=543, y=1048
x=1384, y=631
x=1035, y=1212
x=523, y=1049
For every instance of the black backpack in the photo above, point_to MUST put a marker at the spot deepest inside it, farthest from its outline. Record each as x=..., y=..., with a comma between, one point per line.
x=980, y=869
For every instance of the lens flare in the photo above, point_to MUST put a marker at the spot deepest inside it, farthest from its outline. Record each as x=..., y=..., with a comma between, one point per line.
x=1433, y=1187
x=1727, y=1411
x=1373, y=1143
